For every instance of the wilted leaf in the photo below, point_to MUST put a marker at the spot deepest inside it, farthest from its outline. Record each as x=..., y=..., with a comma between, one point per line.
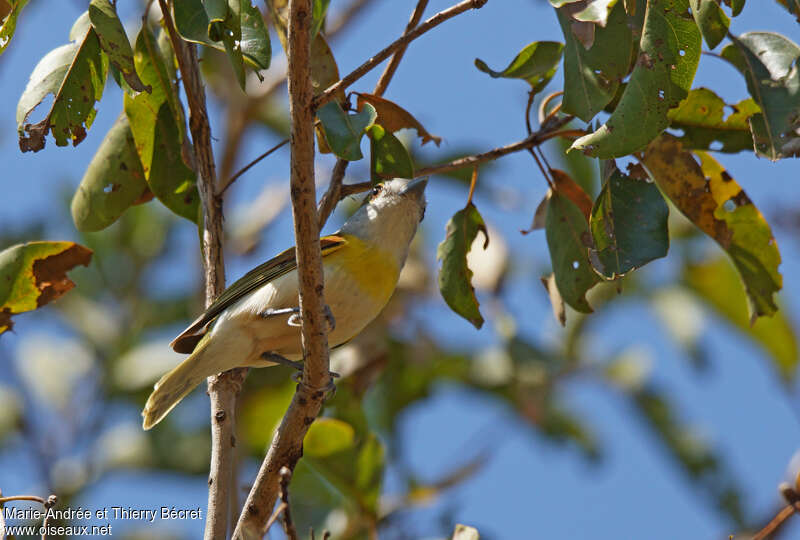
x=343, y=131
x=241, y=18
x=394, y=118
x=113, y=181
x=570, y=189
x=591, y=77
x=711, y=19
x=669, y=51
x=536, y=63
x=8, y=24
x=34, y=274
x=556, y=302
x=75, y=74
x=156, y=121
x=114, y=41
x=769, y=63
x=714, y=202
x=455, y=277
x=388, y=156
x=568, y=239
x=700, y=116
x=629, y=225
x=717, y=283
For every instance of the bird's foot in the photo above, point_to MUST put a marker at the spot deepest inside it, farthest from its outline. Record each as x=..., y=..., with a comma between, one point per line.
x=296, y=320
x=278, y=359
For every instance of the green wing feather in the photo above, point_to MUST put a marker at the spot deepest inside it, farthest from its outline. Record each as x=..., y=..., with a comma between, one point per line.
x=259, y=276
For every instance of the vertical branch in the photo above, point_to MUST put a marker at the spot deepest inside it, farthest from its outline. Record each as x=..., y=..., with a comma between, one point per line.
x=287, y=445
x=224, y=388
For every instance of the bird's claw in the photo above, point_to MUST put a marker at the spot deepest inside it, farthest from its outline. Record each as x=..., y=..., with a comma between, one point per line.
x=296, y=320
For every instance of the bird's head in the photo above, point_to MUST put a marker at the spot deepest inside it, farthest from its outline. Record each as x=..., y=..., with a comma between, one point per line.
x=390, y=214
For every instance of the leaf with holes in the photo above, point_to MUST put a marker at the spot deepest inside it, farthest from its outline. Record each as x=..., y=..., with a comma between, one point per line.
x=536, y=63
x=629, y=225
x=113, y=181
x=34, y=274
x=8, y=22
x=701, y=117
x=713, y=201
x=194, y=23
x=156, y=122
x=388, y=156
x=114, y=41
x=592, y=76
x=394, y=118
x=76, y=75
x=343, y=132
x=568, y=239
x=768, y=62
x=669, y=51
x=455, y=277
x=717, y=283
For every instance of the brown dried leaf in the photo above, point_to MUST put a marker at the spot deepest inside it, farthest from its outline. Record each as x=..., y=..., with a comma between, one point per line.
x=393, y=118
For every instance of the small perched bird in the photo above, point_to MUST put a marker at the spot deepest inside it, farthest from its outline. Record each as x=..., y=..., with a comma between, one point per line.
x=254, y=322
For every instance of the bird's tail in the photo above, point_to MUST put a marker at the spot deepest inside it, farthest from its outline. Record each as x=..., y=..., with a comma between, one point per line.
x=176, y=384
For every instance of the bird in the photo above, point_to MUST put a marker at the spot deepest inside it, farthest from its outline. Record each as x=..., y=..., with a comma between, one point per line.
x=255, y=322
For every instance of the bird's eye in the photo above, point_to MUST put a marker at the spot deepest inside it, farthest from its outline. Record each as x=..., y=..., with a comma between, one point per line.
x=376, y=190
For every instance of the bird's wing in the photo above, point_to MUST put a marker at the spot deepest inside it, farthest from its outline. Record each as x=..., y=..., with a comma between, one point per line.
x=257, y=277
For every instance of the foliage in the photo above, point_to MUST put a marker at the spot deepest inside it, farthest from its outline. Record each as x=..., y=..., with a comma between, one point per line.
x=628, y=95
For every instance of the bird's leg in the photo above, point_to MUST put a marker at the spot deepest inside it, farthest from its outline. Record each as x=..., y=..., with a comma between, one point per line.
x=294, y=316
x=270, y=356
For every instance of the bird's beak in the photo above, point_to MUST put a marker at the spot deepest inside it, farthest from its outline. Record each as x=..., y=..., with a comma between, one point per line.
x=416, y=187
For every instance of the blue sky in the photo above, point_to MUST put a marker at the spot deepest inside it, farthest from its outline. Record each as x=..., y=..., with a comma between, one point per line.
x=530, y=488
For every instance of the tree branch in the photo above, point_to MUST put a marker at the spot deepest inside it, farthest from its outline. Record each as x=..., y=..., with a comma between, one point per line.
x=538, y=137
x=401, y=42
x=391, y=67
x=287, y=444
x=223, y=388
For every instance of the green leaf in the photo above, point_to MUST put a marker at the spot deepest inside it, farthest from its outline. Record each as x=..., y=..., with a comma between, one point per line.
x=327, y=436
x=245, y=22
x=629, y=225
x=717, y=283
x=113, y=181
x=34, y=274
x=769, y=63
x=669, y=51
x=262, y=411
x=738, y=5
x=568, y=239
x=156, y=121
x=388, y=156
x=592, y=77
x=318, y=11
x=792, y=6
x=75, y=74
x=9, y=23
x=701, y=117
x=455, y=277
x=711, y=19
x=713, y=201
x=114, y=41
x=536, y=63
x=343, y=131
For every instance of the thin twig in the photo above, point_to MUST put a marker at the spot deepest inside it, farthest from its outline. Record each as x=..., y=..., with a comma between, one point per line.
x=288, y=524
x=247, y=167
x=287, y=444
x=223, y=389
x=334, y=193
x=401, y=42
x=391, y=67
x=777, y=521
x=537, y=138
